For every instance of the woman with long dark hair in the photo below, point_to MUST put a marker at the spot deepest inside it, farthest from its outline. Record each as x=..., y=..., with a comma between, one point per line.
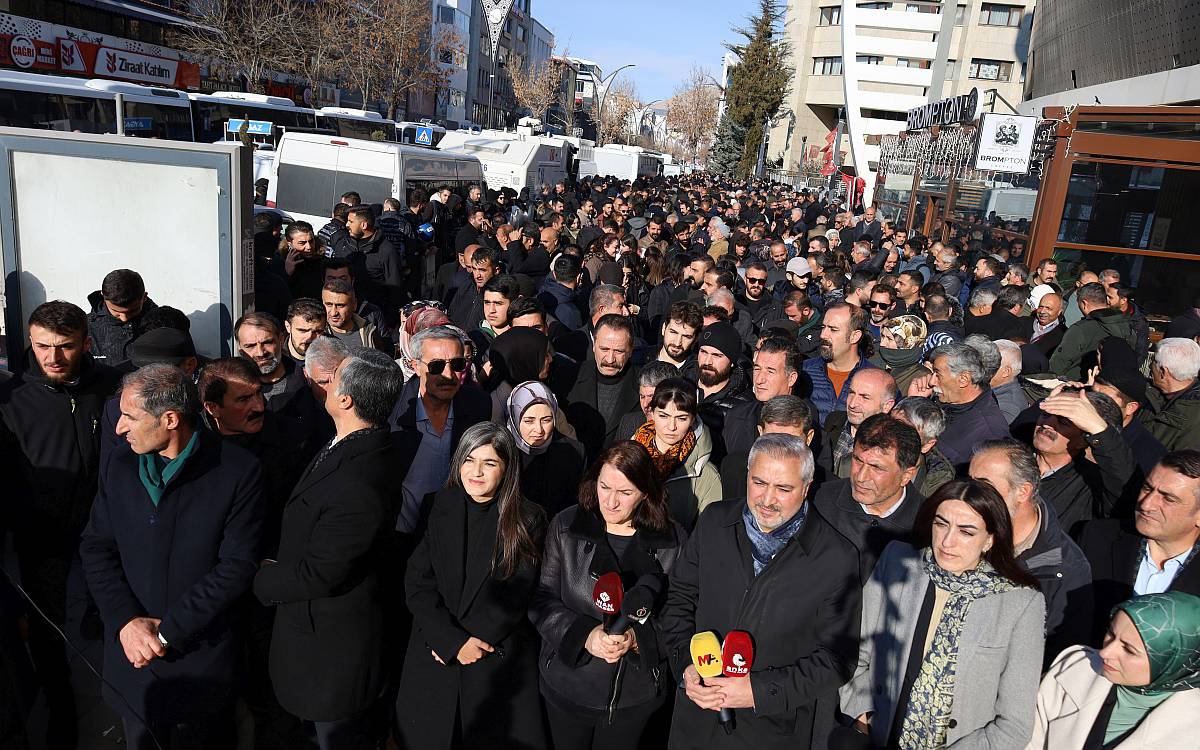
x=470, y=673
x=600, y=689
x=952, y=632
x=680, y=448
x=551, y=461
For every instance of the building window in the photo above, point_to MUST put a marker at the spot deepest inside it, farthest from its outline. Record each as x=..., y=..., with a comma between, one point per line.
x=875, y=6
x=827, y=66
x=579, y=87
x=951, y=70
x=990, y=70
x=923, y=8
x=904, y=62
x=1000, y=15
x=521, y=33
x=960, y=15
x=445, y=14
x=830, y=16
x=868, y=59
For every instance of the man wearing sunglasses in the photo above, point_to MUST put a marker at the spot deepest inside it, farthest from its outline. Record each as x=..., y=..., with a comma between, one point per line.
x=433, y=411
x=883, y=301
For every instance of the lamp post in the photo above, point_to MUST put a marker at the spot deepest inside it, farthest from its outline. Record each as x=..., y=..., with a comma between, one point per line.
x=605, y=82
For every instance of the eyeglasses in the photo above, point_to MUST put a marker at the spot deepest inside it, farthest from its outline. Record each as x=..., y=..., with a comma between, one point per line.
x=437, y=366
x=880, y=305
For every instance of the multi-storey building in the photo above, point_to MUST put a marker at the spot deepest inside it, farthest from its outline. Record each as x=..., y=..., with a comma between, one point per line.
x=868, y=63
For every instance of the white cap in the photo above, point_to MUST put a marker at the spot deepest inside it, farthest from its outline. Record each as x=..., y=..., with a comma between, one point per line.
x=799, y=266
x=1039, y=291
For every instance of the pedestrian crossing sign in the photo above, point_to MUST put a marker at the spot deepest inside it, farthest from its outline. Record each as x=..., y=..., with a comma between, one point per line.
x=424, y=137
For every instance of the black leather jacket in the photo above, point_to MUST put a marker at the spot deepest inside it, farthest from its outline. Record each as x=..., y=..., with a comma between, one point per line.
x=576, y=554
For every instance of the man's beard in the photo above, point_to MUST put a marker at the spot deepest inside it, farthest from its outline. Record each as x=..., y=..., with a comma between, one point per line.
x=268, y=366
x=676, y=353
x=710, y=377
x=826, y=350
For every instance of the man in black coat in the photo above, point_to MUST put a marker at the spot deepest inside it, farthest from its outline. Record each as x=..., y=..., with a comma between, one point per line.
x=755, y=565
x=327, y=648
x=171, y=546
x=117, y=315
x=877, y=503
x=382, y=265
x=431, y=414
x=1155, y=551
x=775, y=371
x=607, y=386
x=50, y=442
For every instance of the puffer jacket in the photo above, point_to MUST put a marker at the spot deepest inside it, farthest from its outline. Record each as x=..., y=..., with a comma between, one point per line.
x=1177, y=423
x=576, y=554
x=110, y=337
x=1078, y=348
x=695, y=483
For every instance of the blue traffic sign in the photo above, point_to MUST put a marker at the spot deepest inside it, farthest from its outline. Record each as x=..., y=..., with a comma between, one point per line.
x=424, y=137
x=256, y=127
x=139, y=123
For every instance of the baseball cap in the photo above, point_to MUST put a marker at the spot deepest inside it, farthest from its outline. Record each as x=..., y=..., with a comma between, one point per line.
x=799, y=266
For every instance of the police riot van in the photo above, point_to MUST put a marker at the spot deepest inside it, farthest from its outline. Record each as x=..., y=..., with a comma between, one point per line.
x=627, y=162
x=313, y=170
x=524, y=159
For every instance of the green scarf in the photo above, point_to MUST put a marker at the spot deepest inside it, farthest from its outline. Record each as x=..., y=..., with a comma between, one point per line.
x=932, y=694
x=1169, y=624
x=157, y=472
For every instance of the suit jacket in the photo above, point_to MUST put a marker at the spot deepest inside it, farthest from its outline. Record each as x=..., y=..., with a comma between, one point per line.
x=583, y=413
x=1114, y=548
x=1073, y=693
x=799, y=662
x=185, y=561
x=999, y=656
x=327, y=643
x=453, y=595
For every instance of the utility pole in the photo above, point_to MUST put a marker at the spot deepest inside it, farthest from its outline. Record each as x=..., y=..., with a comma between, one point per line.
x=837, y=146
x=762, y=148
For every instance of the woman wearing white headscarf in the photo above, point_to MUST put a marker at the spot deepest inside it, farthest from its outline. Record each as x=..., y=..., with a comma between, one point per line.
x=551, y=462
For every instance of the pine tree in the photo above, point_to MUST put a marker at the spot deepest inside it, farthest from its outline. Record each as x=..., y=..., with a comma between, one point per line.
x=759, y=83
x=727, y=151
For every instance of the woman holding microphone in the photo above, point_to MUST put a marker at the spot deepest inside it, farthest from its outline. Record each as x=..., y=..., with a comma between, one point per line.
x=601, y=690
x=470, y=675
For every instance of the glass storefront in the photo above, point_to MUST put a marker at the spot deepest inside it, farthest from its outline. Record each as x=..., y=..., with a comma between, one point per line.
x=1132, y=206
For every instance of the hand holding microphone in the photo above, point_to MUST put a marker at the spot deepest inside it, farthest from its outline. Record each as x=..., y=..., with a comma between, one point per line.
x=706, y=665
x=737, y=656
x=607, y=596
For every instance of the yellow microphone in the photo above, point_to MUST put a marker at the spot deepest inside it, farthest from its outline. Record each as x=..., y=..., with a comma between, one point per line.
x=706, y=654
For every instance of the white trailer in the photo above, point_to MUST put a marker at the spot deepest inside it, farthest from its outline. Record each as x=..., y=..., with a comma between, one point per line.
x=198, y=257
x=626, y=162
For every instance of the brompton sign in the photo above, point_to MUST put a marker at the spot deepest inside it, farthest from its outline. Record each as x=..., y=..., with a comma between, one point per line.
x=957, y=110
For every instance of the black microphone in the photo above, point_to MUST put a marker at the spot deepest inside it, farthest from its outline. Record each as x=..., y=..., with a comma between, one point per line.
x=638, y=603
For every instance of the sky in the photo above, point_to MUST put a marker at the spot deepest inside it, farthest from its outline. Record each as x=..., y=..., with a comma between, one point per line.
x=663, y=38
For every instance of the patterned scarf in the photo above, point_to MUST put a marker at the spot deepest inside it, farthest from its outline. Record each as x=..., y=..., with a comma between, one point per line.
x=932, y=695
x=665, y=463
x=764, y=545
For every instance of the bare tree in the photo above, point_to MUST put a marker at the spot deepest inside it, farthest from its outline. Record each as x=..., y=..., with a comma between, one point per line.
x=692, y=112
x=620, y=101
x=245, y=39
x=536, y=86
x=319, y=40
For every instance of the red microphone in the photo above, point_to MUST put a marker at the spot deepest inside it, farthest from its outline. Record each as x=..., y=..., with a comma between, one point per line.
x=737, y=656
x=607, y=595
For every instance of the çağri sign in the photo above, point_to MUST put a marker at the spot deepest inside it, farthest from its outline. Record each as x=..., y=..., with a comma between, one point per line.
x=957, y=110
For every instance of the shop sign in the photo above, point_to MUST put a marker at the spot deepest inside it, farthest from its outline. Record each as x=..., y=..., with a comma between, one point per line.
x=957, y=110
x=88, y=58
x=1005, y=143
x=26, y=53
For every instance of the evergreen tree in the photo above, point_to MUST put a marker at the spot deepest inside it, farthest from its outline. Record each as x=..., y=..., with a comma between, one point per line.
x=759, y=83
x=727, y=150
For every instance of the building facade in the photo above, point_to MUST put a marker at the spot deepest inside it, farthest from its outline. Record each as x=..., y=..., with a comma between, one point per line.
x=1113, y=52
x=490, y=100
x=868, y=63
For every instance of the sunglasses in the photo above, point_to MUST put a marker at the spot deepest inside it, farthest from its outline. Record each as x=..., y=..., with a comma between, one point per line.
x=880, y=305
x=752, y=280
x=437, y=366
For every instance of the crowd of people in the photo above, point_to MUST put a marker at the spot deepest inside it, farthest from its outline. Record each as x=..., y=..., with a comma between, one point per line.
x=483, y=467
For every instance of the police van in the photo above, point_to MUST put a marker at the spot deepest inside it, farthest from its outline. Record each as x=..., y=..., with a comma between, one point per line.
x=311, y=171
x=524, y=159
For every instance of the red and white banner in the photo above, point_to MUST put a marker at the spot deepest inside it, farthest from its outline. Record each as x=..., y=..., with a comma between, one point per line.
x=110, y=62
x=27, y=53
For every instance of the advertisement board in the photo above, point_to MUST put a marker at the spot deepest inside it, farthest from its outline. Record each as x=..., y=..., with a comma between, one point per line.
x=1005, y=143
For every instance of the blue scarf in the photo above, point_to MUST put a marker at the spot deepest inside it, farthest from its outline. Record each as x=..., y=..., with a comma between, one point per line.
x=765, y=545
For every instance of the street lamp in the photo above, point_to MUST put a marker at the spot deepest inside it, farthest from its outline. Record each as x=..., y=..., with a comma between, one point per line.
x=604, y=83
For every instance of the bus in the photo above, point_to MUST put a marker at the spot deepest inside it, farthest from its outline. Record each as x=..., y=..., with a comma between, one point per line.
x=44, y=102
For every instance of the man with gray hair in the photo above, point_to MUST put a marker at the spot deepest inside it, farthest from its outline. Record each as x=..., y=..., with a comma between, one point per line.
x=928, y=419
x=1005, y=385
x=961, y=385
x=1175, y=369
x=740, y=569
x=172, y=544
x=327, y=648
x=1039, y=542
x=433, y=411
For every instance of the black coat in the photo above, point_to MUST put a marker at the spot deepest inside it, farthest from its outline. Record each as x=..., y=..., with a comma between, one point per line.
x=283, y=452
x=584, y=415
x=1082, y=490
x=50, y=448
x=328, y=638
x=186, y=561
x=296, y=401
x=870, y=534
x=741, y=426
x=383, y=282
x=1114, y=548
x=453, y=595
x=551, y=478
x=110, y=337
x=577, y=554
x=1065, y=577
x=803, y=611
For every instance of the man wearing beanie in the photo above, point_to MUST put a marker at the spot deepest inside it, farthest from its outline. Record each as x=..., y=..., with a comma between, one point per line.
x=723, y=383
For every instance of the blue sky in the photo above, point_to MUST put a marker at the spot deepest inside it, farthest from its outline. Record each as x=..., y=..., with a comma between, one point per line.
x=664, y=38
